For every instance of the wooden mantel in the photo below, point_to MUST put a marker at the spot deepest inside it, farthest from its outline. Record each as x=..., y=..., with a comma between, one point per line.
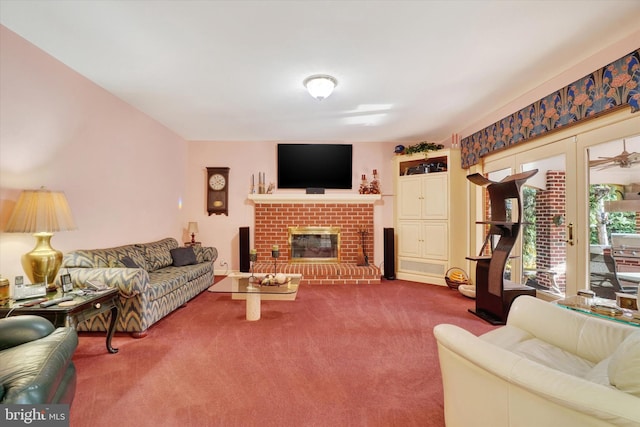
x=347, y=198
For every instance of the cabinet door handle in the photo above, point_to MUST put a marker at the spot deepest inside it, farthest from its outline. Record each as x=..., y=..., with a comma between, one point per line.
x=570, y=234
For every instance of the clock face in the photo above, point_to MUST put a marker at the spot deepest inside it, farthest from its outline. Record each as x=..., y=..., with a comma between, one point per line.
x=217, y=182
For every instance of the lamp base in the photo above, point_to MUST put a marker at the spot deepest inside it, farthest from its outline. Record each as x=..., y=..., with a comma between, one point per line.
x=41, y=265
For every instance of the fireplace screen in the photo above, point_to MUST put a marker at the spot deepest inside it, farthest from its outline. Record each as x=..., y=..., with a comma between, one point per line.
x=314, y=244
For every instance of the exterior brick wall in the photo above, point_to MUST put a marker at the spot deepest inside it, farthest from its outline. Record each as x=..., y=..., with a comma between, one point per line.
x=550, y=238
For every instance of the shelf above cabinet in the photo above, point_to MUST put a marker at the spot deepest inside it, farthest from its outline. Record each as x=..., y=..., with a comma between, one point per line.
x=423, y=165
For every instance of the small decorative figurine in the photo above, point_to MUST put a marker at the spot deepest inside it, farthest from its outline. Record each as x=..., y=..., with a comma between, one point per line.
x=374, y=187
x=364, y=185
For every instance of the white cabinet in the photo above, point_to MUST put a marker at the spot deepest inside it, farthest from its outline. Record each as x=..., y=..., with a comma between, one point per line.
x=421, y=196
x=430, y=233
x=423, y=239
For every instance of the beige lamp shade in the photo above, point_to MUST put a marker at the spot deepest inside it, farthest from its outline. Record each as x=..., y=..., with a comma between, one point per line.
x=41, y=212
x=193, y=227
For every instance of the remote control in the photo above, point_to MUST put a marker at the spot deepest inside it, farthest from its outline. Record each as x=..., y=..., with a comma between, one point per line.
x=34, y=302
x=56, y=301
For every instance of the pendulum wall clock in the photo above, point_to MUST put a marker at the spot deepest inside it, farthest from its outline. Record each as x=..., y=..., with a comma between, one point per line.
x=218, y=191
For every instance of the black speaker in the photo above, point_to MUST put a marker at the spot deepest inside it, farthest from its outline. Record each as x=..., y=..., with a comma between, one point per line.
x=245, y=265
x=389, y=254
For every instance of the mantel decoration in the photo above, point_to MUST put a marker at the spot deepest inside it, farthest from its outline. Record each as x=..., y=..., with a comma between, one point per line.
x=603, y=91
x=364, y=185
x=372, y=187
x=262, y=184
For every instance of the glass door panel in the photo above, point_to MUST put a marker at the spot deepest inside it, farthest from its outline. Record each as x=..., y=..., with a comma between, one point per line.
x=543, y=255
x=614, y=216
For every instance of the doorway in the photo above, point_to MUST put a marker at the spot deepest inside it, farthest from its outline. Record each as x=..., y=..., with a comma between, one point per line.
x=567, y=230
x=539, y=258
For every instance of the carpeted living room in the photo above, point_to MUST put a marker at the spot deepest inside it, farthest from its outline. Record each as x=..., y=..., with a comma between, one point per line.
x=320, y=213
x=338, y=355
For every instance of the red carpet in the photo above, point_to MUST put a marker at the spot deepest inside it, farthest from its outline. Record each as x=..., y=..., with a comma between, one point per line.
x=354, y=355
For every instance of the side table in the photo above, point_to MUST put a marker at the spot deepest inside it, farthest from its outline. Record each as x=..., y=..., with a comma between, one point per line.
x=85, y=307
x=589, y=306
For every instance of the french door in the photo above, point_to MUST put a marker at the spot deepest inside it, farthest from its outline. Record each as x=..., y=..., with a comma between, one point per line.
x=611, y=209
x=540, y=256
x=553, y=249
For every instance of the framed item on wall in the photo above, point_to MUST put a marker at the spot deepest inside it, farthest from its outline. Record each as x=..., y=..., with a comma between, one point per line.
x=218, y=191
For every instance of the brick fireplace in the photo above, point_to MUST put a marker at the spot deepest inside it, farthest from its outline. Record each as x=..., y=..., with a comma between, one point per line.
x=352, y=214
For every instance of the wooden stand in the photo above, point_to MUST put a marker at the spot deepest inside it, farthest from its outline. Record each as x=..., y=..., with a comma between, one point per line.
x=494, y=294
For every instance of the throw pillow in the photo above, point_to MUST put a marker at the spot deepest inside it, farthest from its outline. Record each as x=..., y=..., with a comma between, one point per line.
x=624, y=368
x=128, y=262
x=183, y=256
x=157, y=254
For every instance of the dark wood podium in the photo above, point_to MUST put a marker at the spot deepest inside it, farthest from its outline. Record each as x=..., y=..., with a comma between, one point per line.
x=494, y=294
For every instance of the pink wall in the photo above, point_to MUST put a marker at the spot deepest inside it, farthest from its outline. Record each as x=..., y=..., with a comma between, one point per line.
x=246, y=158
x=123, y=173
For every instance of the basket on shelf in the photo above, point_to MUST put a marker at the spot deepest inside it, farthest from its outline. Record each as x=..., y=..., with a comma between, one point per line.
x=455, y=277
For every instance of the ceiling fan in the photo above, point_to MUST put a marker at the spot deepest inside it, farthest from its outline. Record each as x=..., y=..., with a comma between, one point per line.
x=623, y=160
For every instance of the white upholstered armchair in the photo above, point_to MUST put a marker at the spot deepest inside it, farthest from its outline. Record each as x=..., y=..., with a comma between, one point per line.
x=548, y=366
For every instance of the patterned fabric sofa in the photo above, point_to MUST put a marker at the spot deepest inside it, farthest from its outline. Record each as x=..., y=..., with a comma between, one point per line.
x=151, y=282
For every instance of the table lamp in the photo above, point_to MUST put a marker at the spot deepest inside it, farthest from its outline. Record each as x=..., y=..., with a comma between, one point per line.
x=193, y=229
x=41, y=212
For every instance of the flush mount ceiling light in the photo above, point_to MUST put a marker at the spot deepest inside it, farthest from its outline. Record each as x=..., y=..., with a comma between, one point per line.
x=320, y=86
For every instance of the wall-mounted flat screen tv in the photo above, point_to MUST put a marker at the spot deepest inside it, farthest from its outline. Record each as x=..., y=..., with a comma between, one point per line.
x=315, y=166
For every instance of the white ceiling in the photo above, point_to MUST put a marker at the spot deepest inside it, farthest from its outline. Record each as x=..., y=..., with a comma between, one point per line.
x=406, y=70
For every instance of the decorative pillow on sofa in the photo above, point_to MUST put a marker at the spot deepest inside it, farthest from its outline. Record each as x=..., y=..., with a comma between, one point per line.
x=183, y=256
x=157, y=254
x=624, y=368
x=128, y=262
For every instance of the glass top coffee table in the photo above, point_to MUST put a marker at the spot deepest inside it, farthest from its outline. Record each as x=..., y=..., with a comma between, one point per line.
x=241, y=286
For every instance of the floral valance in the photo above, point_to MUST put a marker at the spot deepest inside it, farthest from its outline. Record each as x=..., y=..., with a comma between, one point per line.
x=602, y=91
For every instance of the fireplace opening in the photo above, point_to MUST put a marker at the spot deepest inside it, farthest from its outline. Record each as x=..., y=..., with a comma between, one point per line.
x=314, y=244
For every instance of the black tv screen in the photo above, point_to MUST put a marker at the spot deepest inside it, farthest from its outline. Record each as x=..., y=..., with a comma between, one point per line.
x=315, y=166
